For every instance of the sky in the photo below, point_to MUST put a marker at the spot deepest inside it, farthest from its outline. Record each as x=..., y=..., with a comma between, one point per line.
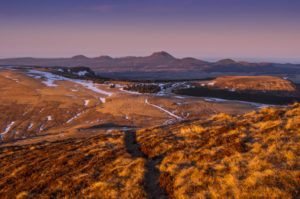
x=257, y=30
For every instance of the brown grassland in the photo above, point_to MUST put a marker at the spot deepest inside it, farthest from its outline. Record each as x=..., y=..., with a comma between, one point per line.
x=266, y=83
x=255, y=155
x=60, y=142
x=97, y=167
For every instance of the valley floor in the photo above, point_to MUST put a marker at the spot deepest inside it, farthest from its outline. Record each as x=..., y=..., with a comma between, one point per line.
x=37, y=105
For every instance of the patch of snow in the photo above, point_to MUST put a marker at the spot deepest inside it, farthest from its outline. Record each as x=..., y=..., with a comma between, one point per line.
x=211, y=83
x=50, y=78
x=30, y=125
x=257, y=105
x=86, y=102
x=76, y=116
x=102, y=99
x=180, y=103
x=60, y=70
x=7, y=128
x=126, y=117
x=162, y=109
x=131, y=92
x=202, y=84
x=81, y=73
x=41, y=127
x=74, y=90
x=91, y=86
x=49, y=118
x=16, y=80
x=211, y=99
x=171, y=121
x=26, y=111
x=179, y=97
x=16, y=132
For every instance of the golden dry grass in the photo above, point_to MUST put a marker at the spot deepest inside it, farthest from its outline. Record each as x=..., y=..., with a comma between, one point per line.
x=267, y=83
x=97, y=167
x=250, y=156
x=255, y=155
x=28, y=103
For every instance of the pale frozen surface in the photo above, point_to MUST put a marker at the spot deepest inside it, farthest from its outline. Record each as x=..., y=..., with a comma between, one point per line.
x=162, y=109
x=49, y=118
x=41, y=127
x=81, y=73
x=14, y=79
x=86, y=102
x=73, y=118
x=30, y=125
x=131, y=92
x=91, y=86
x=50, y=78
x=7, y=129
x=102, y=99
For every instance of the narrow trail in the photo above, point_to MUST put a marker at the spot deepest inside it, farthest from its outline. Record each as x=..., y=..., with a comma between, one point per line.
x=151, y=183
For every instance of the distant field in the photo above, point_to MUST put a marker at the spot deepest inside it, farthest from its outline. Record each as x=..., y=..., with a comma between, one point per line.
x=40, y=104
x=255, y=83
x=262, y=89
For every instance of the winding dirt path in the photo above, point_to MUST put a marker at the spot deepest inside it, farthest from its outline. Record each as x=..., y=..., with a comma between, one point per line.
x=151, y=183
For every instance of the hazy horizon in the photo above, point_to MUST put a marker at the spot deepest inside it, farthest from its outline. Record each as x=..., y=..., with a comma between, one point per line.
x=205, y=29
x=209, y=59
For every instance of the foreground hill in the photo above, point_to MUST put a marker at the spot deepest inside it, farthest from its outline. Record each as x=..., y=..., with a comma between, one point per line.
x=161, y=65
x=255, y=155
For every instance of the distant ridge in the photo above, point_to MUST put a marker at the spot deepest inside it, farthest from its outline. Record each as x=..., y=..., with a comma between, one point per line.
x=162, y=54
x=159, y=65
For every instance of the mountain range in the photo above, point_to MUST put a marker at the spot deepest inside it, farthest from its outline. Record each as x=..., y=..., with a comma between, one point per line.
x=159, y=65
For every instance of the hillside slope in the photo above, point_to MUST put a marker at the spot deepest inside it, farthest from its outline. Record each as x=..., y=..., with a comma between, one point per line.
x=255, y=155
x=254, y=83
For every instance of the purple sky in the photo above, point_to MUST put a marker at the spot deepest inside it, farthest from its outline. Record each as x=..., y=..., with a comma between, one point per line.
x=258, y=30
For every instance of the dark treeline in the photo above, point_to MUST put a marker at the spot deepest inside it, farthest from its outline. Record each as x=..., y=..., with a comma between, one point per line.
x=143, y=88
x=267, y=98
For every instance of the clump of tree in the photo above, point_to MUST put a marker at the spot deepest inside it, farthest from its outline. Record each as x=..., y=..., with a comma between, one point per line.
x=72, y=72
x=143, y=88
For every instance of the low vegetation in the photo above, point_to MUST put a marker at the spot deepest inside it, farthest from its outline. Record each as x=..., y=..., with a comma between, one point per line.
x=97, y=167
x=256, y=83
x=255, y=155
x=143, y=88
x=250, y=156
